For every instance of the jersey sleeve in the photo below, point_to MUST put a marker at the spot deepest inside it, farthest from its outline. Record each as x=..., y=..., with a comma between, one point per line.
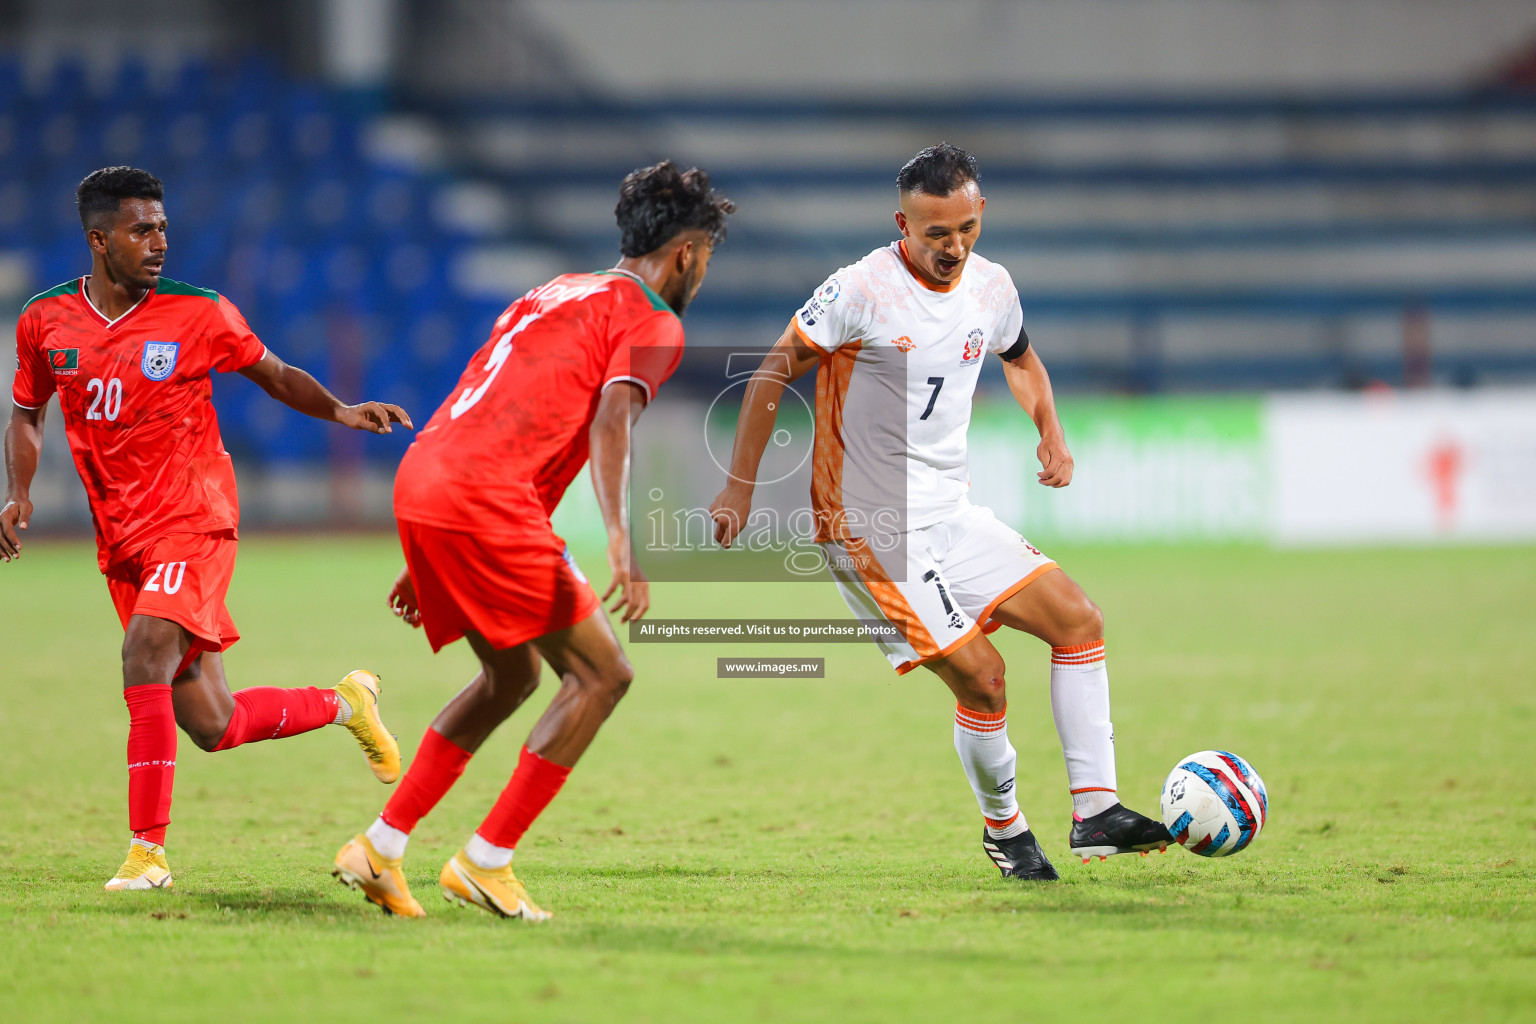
x=232, y=344
x=1009, y=340
x=647, y=353
x=33, y=385
x=835, y=316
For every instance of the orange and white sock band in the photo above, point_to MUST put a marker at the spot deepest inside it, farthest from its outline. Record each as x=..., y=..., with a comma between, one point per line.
x=1078, y=654
x=980, y=722
x=1004, y=823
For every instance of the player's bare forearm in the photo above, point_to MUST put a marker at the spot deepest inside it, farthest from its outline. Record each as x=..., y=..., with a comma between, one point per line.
x=23, y=447
x=759, y=412
x=1031, y=387
x=789, y=360
x=608, y=440
x=303, y=393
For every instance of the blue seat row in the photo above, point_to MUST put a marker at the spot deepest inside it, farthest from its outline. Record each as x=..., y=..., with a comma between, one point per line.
x=336, y=258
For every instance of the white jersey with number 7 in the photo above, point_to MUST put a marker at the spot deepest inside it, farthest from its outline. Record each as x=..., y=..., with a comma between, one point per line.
x=893, y=395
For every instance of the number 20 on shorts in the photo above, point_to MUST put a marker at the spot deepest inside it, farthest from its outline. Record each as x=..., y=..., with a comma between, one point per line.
x=166, y=578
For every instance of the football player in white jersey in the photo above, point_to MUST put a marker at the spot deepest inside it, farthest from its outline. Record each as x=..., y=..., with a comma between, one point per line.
x=897, y=340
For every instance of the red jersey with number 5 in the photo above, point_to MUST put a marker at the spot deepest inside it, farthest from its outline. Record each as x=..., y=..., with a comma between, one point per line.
x=513, y=432
x=138, y=405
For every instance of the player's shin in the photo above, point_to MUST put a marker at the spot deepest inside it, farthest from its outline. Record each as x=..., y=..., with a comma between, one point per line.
x=151, y=761
x=270, y=713
x=436, y=767
x=989, y=760
x=1080, y=703
x=534, y=784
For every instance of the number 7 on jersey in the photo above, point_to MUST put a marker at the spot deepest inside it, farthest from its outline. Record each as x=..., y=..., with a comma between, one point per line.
x=938, y=384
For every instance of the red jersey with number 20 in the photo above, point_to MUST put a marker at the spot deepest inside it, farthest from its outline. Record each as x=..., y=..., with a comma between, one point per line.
x=138, y=406
x=513, y=432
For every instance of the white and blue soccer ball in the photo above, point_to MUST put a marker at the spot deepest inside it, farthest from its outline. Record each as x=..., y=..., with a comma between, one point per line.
x=1214, y=803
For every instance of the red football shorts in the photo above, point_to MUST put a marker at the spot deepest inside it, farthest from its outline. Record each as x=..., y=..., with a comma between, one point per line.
x=182, y=577
x=508, y=588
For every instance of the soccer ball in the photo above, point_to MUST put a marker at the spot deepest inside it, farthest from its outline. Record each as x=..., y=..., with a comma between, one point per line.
x=1214, y=803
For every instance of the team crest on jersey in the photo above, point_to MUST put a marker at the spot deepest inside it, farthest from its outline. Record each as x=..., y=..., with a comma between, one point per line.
x=159, y=359
x=65, y=362
x=974, y=343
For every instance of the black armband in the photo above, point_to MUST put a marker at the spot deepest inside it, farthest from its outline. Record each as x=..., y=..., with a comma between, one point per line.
x=1019, y=348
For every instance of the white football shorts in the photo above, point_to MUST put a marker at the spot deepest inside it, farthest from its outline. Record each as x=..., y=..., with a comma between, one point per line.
x=957, y=572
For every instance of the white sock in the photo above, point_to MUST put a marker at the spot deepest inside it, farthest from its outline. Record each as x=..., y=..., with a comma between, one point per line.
x=483, y=855
x=343, y=716
x=144, y=843
x=388, y=840
x=989, y=760
x=1080, y=702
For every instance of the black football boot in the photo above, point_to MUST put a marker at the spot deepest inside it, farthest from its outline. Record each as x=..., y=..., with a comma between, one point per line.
x=1019, y=857
x=1117, y=830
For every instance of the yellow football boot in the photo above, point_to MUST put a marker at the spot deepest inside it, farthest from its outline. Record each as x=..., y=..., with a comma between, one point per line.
x=145, y=868
x=360, y=690
x=379, y=879
x=498, y=891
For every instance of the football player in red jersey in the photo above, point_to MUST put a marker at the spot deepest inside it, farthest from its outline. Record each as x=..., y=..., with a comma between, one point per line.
x=130, y=354
x=567, y=369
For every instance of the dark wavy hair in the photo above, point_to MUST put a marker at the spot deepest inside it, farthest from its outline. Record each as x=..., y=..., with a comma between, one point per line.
x=657, y=203
x=101, y=191
x=938, y=171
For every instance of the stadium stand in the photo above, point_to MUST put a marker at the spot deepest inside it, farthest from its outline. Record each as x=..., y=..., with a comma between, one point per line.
x=1160, y=243
x=336, y=253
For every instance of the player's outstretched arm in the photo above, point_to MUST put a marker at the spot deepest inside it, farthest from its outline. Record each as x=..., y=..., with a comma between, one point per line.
x=298, y=390
x=1031, y=387
x=618, y=409
x=23, y=446
x=788, y=360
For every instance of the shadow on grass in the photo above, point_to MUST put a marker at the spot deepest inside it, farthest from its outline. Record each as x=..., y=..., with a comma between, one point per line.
x=287, y=900
x=204, y=906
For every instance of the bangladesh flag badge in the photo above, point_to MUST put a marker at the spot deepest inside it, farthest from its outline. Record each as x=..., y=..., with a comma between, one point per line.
x=64, y=361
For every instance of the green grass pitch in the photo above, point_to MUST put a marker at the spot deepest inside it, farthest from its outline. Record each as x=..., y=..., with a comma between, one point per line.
x=807, y=850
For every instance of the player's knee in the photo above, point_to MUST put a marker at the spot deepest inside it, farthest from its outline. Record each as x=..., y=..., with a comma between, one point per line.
x=1082, y=622
x=146, y=660
x=619, y=678
x=985, y=687
x=612, y=680
x=1093, y=620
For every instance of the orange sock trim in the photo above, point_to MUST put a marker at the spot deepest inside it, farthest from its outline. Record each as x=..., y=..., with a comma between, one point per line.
x=1078, y=654
x=1093, y=789
x=1001, y=824
x=982, y=716
x=981, y=721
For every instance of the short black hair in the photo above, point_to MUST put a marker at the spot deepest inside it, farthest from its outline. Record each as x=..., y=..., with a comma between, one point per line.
x=658, y=202
x=938, y=171
x=101, y=191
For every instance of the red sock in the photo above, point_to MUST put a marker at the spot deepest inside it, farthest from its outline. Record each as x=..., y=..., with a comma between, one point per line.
x=151, y=759
x=436, y=767
x=533, y=786
x=271, y=712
